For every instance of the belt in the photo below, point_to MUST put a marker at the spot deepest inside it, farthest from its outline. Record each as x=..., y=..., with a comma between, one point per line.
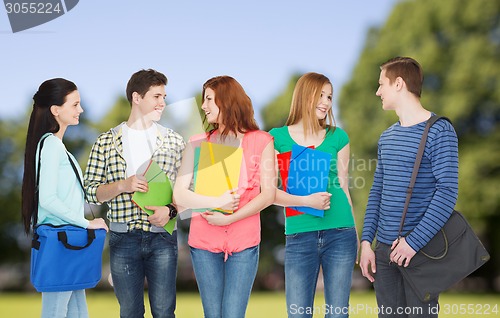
x=122, y=227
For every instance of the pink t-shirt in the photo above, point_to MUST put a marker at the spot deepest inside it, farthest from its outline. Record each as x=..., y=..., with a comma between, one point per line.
x=245, y=233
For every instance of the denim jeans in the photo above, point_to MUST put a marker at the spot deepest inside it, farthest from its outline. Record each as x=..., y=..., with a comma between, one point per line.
x=70, y=304
x=335, y=251
x=394, y=294
x=225, y=287
x=139, y=255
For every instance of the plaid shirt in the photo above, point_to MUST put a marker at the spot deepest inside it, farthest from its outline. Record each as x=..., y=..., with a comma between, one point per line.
x=107, y=165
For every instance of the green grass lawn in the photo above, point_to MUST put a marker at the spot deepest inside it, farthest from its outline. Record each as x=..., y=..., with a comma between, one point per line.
x=262, y=305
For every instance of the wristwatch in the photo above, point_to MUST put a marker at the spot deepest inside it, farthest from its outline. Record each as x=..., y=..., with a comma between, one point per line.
x=172, y=210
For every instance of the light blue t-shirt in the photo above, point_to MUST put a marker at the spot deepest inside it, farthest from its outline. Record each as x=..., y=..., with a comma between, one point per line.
x=61, y=199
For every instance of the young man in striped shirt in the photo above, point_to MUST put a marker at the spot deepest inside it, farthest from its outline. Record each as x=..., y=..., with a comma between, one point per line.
x=434, y=196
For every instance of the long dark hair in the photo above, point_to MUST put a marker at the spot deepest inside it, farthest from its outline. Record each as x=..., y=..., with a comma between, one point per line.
x=51, y=92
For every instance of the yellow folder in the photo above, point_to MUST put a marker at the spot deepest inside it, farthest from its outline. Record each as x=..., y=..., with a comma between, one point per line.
x=218, y=170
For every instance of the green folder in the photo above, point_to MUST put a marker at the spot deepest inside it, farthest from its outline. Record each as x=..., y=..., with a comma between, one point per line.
x=159, y=192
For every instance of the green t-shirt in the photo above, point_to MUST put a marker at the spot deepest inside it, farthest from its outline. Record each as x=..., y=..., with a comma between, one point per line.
x=339, y=215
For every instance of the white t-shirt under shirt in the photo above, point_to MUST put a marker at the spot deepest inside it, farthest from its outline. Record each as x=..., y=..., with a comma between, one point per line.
x=138, y=146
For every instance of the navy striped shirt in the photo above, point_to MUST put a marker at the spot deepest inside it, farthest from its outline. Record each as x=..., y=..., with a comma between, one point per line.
x=436, y=188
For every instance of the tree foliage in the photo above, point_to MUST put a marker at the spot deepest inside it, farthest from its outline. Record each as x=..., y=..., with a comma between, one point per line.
x=457, y=42
x=118, y=113
x=276, y=112
x=11, y=161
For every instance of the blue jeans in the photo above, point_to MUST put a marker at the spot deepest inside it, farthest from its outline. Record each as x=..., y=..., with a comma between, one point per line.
x=139, y=255
x=335, y=251
x=70, y=304
x=394, y=294
x=225, y=287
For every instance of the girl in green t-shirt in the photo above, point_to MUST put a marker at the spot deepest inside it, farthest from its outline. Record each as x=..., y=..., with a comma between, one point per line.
x=311, y=241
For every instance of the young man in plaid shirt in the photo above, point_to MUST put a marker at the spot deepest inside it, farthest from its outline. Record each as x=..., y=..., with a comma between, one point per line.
x=139, y=246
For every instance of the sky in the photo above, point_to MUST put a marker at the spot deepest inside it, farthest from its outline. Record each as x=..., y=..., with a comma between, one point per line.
x=100, y=44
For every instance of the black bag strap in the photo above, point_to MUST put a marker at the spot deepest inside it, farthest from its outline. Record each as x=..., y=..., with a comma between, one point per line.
x=79, y=180
x=63, y=237
x=75, y=171
x=416, y=166
x=37, y=181
x=40, y=162
x=37, y=184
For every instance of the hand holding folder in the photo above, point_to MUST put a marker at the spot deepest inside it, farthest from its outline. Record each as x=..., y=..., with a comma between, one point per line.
x=217, y=170
x=308, y=173
x=159, y=193
x=283, y=167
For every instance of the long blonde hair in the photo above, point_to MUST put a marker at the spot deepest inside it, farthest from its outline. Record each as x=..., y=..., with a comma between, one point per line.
x=304, y=100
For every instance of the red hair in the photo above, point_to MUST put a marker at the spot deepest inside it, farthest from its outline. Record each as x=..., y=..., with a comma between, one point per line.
x=236, y=111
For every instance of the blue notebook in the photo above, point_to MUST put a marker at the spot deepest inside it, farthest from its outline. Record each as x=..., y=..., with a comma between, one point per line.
x=308, y=174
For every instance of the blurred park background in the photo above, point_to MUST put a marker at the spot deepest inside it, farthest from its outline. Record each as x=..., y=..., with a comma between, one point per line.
x=261, y=305
x=457, y=43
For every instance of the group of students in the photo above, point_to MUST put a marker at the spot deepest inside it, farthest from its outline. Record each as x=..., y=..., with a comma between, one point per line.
x=225, y=247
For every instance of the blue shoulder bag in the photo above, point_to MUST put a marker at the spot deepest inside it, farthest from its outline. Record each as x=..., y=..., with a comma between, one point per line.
x=65, y=257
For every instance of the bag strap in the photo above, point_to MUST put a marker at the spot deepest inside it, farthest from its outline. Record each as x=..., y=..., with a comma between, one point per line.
x=75, y=171
x=40, y=162
x=63, y=237
x=79, y=180
x=416, y=166
x=37, y=181
x=37, y=184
